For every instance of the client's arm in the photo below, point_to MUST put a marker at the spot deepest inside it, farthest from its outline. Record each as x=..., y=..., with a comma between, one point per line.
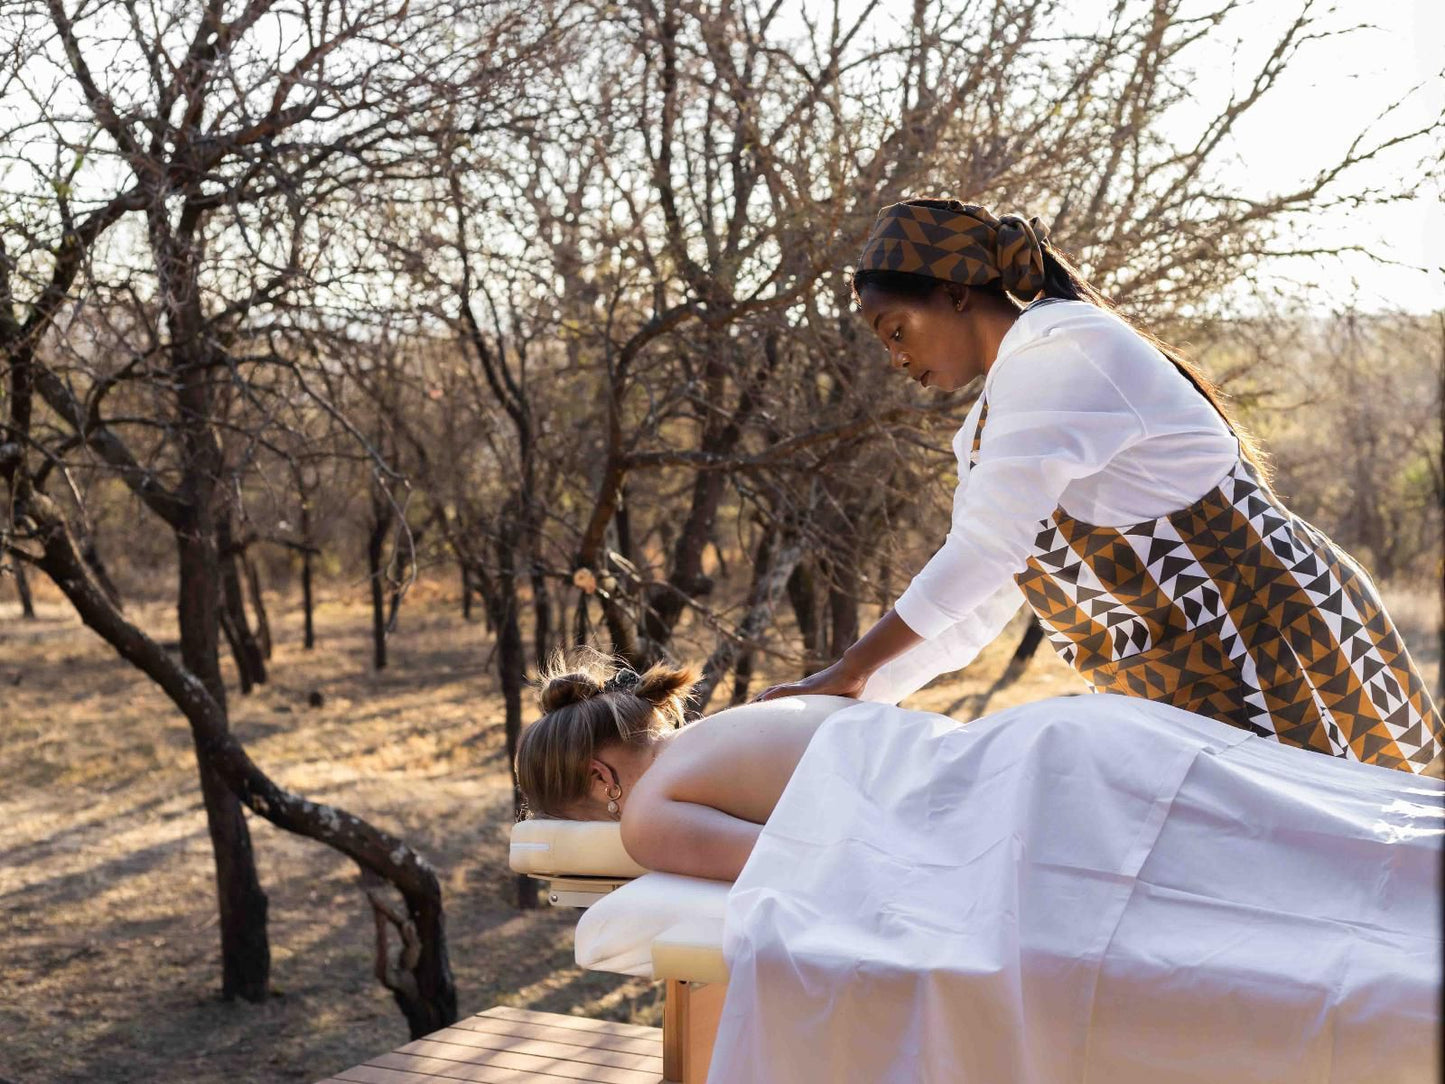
x=701, y=806
x=685, y=837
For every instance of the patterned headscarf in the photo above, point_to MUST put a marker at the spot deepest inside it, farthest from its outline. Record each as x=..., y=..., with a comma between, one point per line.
x=958, y=242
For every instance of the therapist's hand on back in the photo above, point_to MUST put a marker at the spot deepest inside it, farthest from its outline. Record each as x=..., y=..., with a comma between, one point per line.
x=837, y=680
x=884, y=641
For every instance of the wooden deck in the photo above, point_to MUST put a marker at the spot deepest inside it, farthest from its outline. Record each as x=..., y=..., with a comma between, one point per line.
x=515, y=1046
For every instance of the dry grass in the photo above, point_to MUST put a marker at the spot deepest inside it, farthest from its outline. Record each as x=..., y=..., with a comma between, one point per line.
x=109, y=964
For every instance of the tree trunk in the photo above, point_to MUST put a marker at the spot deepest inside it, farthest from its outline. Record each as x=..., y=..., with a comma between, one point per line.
x=258, y=605
x=803, y=596
x=393, y=607
x=685, y=575
x=485, y=589
x=22, y=586
x=466, y=591
x=666, y=601
x=742, y=678
x=91, y=556
x=308, y=601
x=250, y=660
x=398, y=588
x=245, y=952
x=621, y=631
x=541, y=617
x=622, y=522
x=202, y=532
x=381, y=518
x=1029, y=645
x=238, y=651
x=511, y=669
x=421, y=980
x=842, y=608
x=581, y=622
x=771, y=569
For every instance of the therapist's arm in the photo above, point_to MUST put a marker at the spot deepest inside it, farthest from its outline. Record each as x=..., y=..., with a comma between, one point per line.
x=886, y=640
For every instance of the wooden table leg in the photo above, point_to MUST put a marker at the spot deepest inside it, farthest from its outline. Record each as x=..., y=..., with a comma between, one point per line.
x=690, y=1018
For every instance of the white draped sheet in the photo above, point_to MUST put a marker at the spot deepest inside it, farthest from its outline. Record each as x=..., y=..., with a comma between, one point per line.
x=1091, y=888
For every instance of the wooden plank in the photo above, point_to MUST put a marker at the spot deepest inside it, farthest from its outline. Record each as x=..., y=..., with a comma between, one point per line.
x=418, y=1074
x=483, y=1074
x=496, y=1025
x=371, y=1074
x=556, y=1072
x=459, y=1038
x=562, y=1067
x=519, y=1046
x=581, y=1023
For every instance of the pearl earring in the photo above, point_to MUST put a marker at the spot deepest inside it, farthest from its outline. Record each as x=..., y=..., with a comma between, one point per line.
x=612, y=806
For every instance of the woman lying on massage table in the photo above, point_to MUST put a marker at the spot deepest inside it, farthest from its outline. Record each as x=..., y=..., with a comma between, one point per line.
x=691, y=800
x=1082, y=888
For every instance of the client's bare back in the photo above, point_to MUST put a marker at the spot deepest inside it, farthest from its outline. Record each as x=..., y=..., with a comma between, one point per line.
x=699, y=807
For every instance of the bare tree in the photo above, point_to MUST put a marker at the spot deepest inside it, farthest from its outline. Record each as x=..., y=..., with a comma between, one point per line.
x=1355, y=435
x=678, y=218
x=603, y=334
x=231, y=152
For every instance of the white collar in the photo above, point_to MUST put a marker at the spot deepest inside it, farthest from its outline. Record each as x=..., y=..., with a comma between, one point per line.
x=1028, y=327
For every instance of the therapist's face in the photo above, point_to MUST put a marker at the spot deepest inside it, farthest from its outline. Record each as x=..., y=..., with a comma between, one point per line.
x=933, y=340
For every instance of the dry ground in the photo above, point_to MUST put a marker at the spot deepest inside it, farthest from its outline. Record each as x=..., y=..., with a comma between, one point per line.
x=108, y=947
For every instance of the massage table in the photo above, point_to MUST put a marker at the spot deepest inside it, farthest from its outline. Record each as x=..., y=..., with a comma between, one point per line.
x=640, y=923
x=644, y=923
x=1116, y=891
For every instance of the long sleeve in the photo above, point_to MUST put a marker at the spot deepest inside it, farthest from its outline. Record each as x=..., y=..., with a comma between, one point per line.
x=952, y=649
x=1054, y=416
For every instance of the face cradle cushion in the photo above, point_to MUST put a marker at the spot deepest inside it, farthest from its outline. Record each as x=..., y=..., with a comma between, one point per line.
x=546, y=848
x=661, y=925
x=653, y=925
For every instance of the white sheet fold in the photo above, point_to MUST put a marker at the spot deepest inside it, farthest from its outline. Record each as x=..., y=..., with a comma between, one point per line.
x=1090, y=888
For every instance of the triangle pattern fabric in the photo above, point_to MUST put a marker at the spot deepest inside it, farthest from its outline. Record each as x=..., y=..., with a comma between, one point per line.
x=1236, y=609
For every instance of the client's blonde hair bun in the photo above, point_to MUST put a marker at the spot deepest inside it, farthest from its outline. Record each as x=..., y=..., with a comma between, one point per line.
x=666, y=688
x=561, y=689
x=589, y=699
x=583, y=673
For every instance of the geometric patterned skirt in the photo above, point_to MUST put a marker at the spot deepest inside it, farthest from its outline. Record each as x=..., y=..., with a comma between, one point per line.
x=1237, y=609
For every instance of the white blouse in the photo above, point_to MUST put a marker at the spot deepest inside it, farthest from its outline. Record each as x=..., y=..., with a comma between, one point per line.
x=1083, y=414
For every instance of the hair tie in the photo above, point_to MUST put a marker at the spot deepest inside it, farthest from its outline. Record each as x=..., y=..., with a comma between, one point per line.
x=625, y=679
